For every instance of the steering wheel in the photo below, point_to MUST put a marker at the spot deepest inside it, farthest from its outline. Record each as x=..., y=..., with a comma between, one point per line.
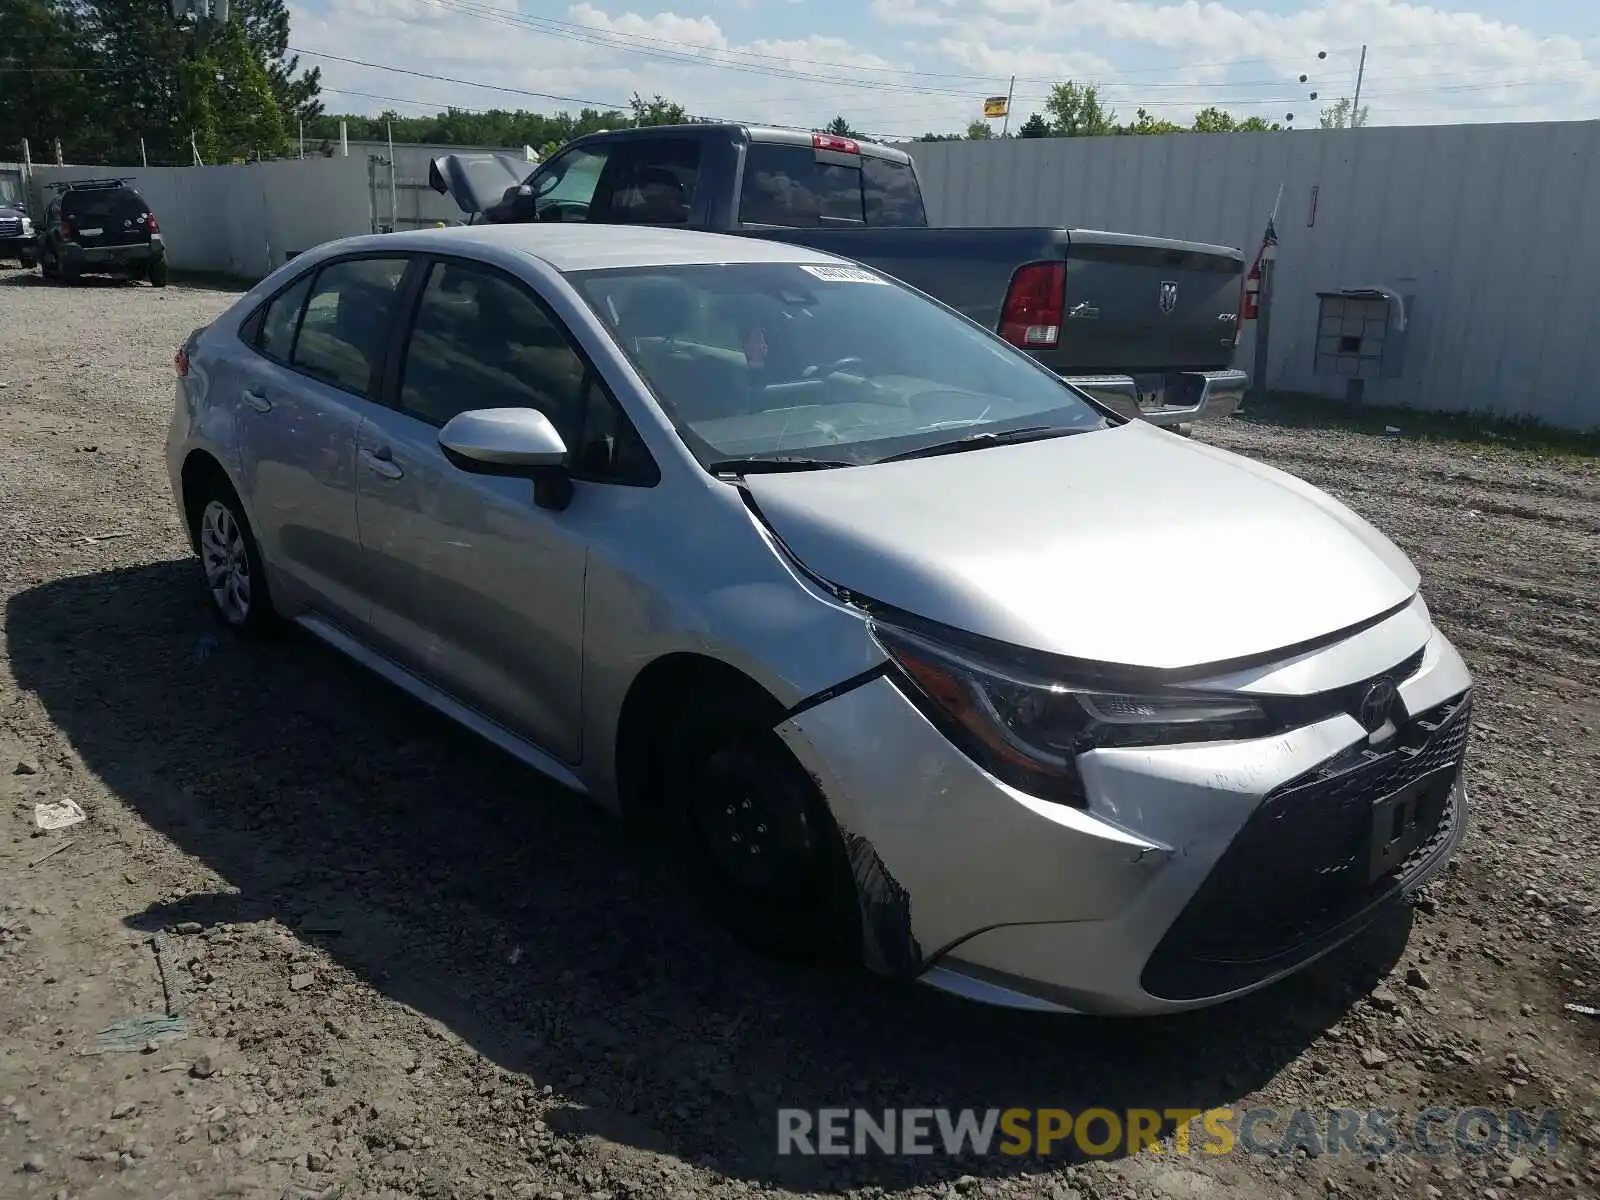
x=832, y=368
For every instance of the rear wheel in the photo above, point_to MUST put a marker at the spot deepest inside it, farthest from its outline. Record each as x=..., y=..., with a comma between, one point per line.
x=50, y=267
x=157, y=274
x=230, y=563
x=753, y=834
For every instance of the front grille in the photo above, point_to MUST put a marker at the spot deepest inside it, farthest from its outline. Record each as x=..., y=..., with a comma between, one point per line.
x=1298, y=873
x=10, y=226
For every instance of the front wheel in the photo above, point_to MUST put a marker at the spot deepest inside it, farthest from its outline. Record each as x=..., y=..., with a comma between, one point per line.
x=230, y=565
x=755, y=837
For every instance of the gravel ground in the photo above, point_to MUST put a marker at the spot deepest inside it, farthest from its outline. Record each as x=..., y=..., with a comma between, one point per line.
x=409, y=967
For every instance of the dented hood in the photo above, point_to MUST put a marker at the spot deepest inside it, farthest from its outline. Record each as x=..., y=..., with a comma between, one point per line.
x=1128, y=546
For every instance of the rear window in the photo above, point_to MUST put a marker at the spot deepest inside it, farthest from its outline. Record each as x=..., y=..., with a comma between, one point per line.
x=115, y=203
x=786, y=185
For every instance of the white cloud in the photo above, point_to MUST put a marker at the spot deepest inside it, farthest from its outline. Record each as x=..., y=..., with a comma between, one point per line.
x=1425, y=65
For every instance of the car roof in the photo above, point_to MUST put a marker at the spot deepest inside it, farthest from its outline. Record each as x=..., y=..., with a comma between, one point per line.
x=578, y=247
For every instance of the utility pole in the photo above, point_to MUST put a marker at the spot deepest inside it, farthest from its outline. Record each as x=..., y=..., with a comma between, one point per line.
x=1010, y=91
x=1355, y=108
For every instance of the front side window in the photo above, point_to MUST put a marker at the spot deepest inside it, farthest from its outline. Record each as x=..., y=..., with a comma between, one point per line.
x=819, y=361
x=564, y=188
x=481, y=340
x=346, y=317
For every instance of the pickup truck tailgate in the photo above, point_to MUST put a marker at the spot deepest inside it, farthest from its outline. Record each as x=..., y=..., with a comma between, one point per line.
x=1135, y=303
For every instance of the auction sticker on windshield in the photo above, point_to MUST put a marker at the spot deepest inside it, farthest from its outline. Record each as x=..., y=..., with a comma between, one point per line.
x=841, y=274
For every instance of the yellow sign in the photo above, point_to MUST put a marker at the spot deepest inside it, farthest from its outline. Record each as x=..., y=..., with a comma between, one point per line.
x=994, y=106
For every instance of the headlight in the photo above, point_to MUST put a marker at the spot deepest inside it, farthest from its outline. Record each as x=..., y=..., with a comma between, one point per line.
x=1028, y=730
x=27, y=224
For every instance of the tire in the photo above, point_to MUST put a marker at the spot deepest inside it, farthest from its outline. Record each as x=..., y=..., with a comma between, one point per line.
x=50, y=267
x=28, y=258
x=732, y=792
x=157, y=274
x=231, y=570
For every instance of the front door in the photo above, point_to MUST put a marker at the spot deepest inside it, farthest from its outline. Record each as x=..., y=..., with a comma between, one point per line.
x=473, y=586
x=301, y=398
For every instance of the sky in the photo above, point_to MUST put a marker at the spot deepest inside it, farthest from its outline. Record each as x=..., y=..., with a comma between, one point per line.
x=899, y=68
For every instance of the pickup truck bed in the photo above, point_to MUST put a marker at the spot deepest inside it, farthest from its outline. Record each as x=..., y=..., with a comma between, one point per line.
x=1146, y=325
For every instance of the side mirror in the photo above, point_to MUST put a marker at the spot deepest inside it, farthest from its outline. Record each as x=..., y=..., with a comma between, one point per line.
x=511, y=441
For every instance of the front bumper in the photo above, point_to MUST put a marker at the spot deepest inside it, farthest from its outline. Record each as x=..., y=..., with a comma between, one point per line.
x=1182, y=398
x=1156, y=898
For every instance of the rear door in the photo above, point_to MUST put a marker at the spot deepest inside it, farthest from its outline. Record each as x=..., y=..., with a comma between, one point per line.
x=107, y=217
x=1143, y=304
x=302, y=396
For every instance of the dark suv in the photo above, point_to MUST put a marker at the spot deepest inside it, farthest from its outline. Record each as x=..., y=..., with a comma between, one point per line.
x=101, y=227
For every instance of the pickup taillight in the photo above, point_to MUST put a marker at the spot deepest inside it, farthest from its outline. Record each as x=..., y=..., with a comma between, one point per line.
x=1035, y=306
x=180, y=360
x=66, y=231
x=155, y=226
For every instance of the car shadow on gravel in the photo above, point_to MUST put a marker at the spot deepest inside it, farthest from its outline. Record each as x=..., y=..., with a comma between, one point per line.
x=458, y=882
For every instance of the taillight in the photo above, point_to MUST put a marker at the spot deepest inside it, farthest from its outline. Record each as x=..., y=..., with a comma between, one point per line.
x=155, y=226
x=831, y=141
x=180, y=360
x=1034, y=307
x=66, y=231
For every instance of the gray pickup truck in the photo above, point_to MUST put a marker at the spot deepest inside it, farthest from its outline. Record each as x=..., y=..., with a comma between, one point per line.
x=1148, y=326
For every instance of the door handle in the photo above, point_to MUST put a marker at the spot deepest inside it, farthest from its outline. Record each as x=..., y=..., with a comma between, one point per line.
x=381, y=462
x=257, y=400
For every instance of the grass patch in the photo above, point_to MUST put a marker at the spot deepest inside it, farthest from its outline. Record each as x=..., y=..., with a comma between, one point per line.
x=1293, y=410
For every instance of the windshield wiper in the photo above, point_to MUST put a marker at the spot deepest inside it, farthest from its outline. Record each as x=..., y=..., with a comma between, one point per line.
x=767, y=466
x=991, y=437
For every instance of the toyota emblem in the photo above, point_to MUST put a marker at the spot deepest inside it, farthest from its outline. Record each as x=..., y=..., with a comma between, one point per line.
x=1376, y=705
x=1169, y=295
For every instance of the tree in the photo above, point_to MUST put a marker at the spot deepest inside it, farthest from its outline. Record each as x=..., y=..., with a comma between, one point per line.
x=1144, y=123
x=1214, y=120
x=979, y=131
x=1034, y=127
x=145, y=89
x=1341, y=114
x=248, y=122
x=658, y=111
x=266, y=26
x=840, y=127
x=49, y=90
x=942, y=137
x=1075, y=111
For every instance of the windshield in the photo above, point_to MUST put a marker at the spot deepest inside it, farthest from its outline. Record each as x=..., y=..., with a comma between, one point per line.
x=806, y=362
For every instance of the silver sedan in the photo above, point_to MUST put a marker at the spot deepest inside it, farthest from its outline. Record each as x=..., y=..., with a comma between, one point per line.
x=905, y=650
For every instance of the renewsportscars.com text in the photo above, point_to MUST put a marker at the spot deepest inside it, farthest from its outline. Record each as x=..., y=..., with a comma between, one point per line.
x=1100, y=1132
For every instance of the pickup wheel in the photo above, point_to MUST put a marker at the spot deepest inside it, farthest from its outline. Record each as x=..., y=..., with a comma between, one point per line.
x=157, y=274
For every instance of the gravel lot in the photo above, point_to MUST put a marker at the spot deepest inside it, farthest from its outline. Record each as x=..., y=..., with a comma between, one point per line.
x=411, y=967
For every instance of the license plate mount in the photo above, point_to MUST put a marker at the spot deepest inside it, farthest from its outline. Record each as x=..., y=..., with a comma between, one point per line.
x=1402, y=821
